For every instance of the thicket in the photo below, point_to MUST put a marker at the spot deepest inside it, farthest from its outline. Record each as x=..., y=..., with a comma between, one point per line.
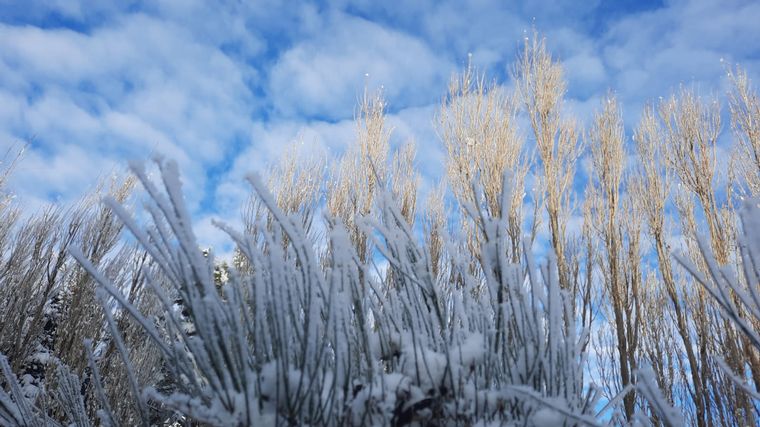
x=347, y=303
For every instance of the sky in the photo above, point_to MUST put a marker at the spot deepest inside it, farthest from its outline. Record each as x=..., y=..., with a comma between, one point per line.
x=223, y=87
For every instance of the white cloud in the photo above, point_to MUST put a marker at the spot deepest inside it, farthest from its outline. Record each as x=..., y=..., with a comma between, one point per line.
x=139, y=86
x=62, y=175
x=652, y=53
x=323, y=76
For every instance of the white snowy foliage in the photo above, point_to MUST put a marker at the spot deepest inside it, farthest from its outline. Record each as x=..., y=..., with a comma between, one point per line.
x=313, y=337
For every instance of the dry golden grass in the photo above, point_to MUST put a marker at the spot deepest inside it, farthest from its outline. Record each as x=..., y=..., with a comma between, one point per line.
x=745, y=120
x=541, y=89
x=477, y=124
x=362, y=169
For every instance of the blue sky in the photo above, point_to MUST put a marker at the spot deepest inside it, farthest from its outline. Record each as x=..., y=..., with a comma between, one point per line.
x=223, y=86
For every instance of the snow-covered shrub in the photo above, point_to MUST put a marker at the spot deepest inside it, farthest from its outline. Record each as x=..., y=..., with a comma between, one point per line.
x=303, y=341
x=737, y=293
